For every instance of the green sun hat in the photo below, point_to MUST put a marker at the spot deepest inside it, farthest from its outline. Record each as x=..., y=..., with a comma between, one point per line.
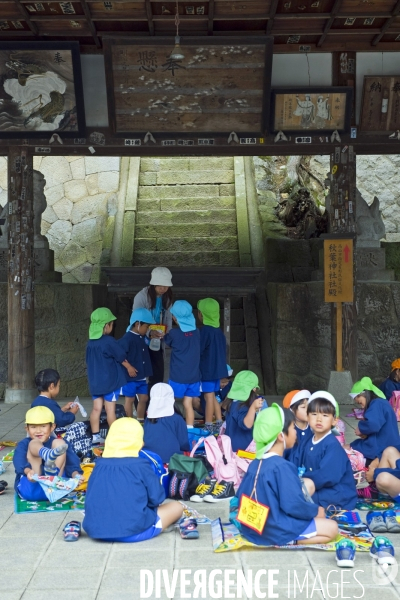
x=365, y=384
x=269, y=424
x=99, y=318
x=242, y=385
x=209, y=308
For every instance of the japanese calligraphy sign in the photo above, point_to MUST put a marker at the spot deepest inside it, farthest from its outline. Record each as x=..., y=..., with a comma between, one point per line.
x=219, y=86
x=338, y=270
x=380, y=109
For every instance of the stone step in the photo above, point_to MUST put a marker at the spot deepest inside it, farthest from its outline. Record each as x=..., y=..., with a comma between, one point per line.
x=239, y=350
x=186, y=164
x=190, y=217
x=238, y=365
x=237, y=317
x=223, y=258
x=185, y=230
x=217, y=202
x=165, y=244
x=238, y=333
x=186, y=177
x=185, y=191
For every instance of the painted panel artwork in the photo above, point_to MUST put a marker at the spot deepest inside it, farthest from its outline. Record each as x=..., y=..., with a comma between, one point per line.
x=311, y=110
x=217, y=86
x=40, y=90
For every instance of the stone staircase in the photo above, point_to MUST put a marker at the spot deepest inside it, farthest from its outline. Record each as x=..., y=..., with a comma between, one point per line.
x=186, y=213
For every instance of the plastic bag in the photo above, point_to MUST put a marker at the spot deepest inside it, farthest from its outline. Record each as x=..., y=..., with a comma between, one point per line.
x=56, y=487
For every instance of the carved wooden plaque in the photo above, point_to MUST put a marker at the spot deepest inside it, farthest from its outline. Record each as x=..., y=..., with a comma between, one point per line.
x=380, y=110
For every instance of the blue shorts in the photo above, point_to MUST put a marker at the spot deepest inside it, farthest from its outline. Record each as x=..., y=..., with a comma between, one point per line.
x=192, y=390
x=149, y=533
x=132, y=388
x=111, y=397
x=309, y=532
x=30, y=490
x=210, y=386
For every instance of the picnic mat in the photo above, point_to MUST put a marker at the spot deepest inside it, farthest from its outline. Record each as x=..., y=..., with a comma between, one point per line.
x=227, y=537
x=378, y=504
x=74, y=501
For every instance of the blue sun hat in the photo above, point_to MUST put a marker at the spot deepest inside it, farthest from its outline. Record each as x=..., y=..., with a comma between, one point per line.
x=183, y=313
x=141, y=314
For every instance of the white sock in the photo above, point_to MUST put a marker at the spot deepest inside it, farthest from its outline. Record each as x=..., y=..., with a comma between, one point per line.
x=189, y=426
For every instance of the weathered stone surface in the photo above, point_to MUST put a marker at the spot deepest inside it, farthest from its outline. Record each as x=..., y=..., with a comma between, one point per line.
x=238, y=333
x=148, y=205
x=128, y=233
x=290, y=334
x=78, y=168
x=77, y=387
x=293, y=359
x=179, y=191
x=56, y=169
x=3, y=173
x=83, y=273
x=149, y=178
x=197, y=203
x=49, y=215
x=71, y=365
x=211, y=163
x=98, y=164
x=194, y=216
x=195, y=244
x=92, y=206
x=54, y=194
x=166, y=164
x=72, y=256
x=229, y=258
x=75, y=189
x=376, y=299
x=86, y=233
x=44, y=318
x=93, y=252
x=108, y=232
x=194, y=177
x=108, y=181
x=63, y=209
x=238, y=350
x=59, y=235
x=227, y=189
x=149, y=244
x=44, y=361
x=195, y=229
x=141, y=259
x=44, y=296
x=92, y=183
x=53, y=339
x=96, y=275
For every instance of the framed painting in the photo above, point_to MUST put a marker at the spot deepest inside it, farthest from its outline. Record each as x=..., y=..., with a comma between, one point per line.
x=213, y=86
x=311, y=110
x=380, y=107
x=40, y=90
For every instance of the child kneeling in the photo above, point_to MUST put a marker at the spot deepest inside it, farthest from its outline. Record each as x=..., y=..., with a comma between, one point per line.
x=124, y=494
x=274, y=482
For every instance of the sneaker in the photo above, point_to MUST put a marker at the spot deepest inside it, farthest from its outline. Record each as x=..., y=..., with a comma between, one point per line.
x=212, y=428
x=393, y=526
x=203, y=489
x=382, y=550
x=345, y=553
x=188, y=529
x=97, y=440
x=361, y=479
x=222, y=491
x=376, y=522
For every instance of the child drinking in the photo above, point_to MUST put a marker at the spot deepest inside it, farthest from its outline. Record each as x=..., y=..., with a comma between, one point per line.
x=241, y=407
x=48, y=386
x=41, y=453
x=212, y=359
x=184, y=370
x=274, y=482
x=137, y=353
x=165, y=431
x=105, y=360
x=124, y=494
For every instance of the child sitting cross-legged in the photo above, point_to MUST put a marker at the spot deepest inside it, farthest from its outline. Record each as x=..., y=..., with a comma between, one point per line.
x=48, y=386
x=274, y=482
x=124, y=494
x=41, y=453
x=328, y=474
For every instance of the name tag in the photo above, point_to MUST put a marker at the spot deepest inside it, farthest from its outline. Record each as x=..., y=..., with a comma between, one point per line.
x=252, y=513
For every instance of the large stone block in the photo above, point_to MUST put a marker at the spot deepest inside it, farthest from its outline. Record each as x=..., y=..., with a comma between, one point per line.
x=98, y=164
x=108, y=181
x=92, y=206
x=144, y=259
x=72, y=256
x=195, y=243
x=227, y=189
x=92, y=183
x=63, y=209
x=194, y=177
x=54, y=194
x=44, y=361
x=147, y=205
x=44, y=296
x=93, y=251
x=83, y=273
x=375, y=299
x=86, y=233
x=59, y=235
x=148, y=178
x=195, y=229
x=108, y=232
x=128, y=236
x=292, y=301
x=289, y=381
x=49, y=215
x=52, y=339
x=211, y=163
x=290, y=333
x=197, y=203
x=293, y=359
x=44, y=317
x=56, y=169
x=96, y=275
x=67, y=298
x=78, y=168
x=149, y=164
x=229, y=258
x=170, y=164
x=75, y=189
x=238, y=350
x=179, y=191
x=71, y=365
x=185, y=216
x=149, y=245
x=77, y=387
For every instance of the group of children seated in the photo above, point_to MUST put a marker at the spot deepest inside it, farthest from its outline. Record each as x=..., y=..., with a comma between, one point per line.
x=300, y=467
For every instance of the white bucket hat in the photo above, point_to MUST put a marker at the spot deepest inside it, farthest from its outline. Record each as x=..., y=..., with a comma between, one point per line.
x=161, y=401
x=161, y=276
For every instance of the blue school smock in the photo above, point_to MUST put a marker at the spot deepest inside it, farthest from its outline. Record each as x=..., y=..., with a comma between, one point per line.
x=380, y=425
x=137, y=355
x=166, y=437
x=122, y=498
x=389, y=386
x=328, y=466
x=62, y=419
x=20, y=460
x=303, y=436
x=240, y=434
x=212, y=353
x=104, y=369
x=185, y=356
x=278, y=487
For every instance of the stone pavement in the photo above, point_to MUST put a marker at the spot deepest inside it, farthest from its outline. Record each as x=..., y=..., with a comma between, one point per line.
x=36, y=564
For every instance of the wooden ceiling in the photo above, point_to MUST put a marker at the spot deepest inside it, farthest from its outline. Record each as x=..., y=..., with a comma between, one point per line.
x=297, y=25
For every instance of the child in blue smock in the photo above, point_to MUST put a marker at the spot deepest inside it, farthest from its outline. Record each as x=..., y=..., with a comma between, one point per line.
x=242, y=403
x=378, y=429
x=124, y=495
x=41, y=453
x=135, y=345
x=274, y=482
x=184, y=369
x=48, y=386
x=107, y=368
x=328, y=474
x=165, y=431
x=212, y=359
x=392, y=383
x=225, y=385
x=297, y=402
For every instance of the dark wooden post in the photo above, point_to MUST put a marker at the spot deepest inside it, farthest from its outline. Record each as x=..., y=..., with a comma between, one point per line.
x=344, y=73
x=21, y=324
x=227, y=327
x=342, y=223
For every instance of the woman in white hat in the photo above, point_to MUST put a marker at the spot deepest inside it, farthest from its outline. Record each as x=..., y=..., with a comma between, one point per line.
x=157, y=298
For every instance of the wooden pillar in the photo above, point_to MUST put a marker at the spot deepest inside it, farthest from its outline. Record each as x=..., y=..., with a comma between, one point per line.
x=342, y=222
x=21, y=324
x=227, y=327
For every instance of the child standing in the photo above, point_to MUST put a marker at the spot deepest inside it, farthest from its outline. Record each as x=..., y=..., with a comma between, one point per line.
x=124, y=494
x=41, y=453
x=241, y=406
x=48, y=386
x=165, y=431
x=184, y=370
x=134, y=344
x=277, y=485
x=212, y=359
x=105, y=360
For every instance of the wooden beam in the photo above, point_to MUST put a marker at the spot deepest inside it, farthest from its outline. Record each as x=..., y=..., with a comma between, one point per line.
x=150, y=17
x=27, y=17
x=211, y=11
x=329, y=23
x=90, y=23
x=272, y=13
x=386, y=26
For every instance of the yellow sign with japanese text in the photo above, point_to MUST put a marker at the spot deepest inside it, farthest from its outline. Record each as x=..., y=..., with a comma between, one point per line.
x=338, y=270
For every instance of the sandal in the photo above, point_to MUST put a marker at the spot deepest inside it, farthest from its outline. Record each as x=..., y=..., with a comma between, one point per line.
x=4, y=483
x=188, y=529
x=72, y=531
x=2, y=487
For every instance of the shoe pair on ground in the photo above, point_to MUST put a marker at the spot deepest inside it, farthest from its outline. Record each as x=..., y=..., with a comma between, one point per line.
x=381, y=550
x=212, y=491
x=379, y=522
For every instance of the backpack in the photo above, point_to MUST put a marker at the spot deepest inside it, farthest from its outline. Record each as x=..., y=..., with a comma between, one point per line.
x=357, y=460
x=395, y=403
x=186, y=472
x=77, y=437
x=226, y=464
x=158, y=467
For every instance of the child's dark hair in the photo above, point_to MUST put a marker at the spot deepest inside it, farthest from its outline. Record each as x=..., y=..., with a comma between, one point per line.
x=321, y=405
x=369, y=396
x=295, y=407
x=177, y=411
x=227, y=403
x=289, y=419
x=167, y=297
x=45, y=378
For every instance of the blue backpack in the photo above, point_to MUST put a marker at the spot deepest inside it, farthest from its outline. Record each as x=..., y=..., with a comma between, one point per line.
x=158, y=468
